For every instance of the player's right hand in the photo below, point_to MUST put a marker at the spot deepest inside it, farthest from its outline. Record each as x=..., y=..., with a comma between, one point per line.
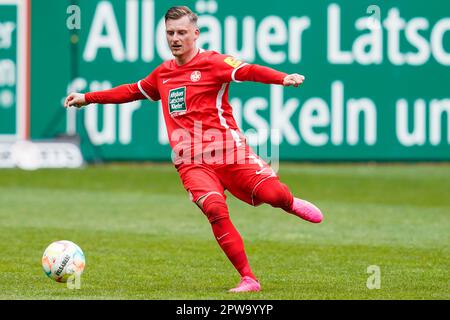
x=75, y=100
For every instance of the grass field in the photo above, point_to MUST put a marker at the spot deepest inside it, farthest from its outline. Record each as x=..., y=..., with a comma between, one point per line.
x=144, y=239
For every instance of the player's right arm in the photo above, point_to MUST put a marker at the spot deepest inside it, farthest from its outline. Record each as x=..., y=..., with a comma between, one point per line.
x=143, y=89
x=121, y=94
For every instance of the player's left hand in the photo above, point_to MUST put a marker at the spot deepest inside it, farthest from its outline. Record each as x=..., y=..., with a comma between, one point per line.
x=294, y=79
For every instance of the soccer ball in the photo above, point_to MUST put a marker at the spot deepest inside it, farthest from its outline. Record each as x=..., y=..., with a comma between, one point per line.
x=62, y=259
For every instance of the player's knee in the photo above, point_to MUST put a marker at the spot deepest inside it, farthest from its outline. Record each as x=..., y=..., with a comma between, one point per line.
x=275, y=193
x=215, y=208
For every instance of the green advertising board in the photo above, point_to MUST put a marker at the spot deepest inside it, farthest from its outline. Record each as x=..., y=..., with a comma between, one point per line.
x=8, y=70
x=377, y=75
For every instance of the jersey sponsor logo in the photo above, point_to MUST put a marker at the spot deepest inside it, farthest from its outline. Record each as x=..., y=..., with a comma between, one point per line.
x=177, y=101
x=196, y=76
x=233, y=62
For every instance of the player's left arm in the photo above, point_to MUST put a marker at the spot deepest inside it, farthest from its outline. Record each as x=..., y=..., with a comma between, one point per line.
x=258, y=73
x=228, y=68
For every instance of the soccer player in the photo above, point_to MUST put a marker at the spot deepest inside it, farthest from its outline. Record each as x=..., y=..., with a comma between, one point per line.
x=211, y=154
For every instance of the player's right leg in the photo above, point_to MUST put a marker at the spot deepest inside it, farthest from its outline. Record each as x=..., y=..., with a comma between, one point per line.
x=229, y=239
x=207, y=192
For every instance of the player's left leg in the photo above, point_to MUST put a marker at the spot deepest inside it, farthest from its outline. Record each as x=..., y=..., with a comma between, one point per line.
x=254, y=182
x=278, y=195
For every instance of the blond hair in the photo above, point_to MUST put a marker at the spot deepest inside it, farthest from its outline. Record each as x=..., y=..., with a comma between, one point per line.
x=179, y=12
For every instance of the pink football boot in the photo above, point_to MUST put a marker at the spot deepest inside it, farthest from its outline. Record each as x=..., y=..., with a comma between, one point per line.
x=247, y=284
x=306, y=210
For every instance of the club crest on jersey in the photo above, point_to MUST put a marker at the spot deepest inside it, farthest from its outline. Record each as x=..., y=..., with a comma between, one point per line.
x=233, y=62
x=177, y=101
x=196, y=76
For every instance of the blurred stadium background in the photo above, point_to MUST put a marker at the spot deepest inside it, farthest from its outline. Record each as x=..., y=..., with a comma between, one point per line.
x=375, y=103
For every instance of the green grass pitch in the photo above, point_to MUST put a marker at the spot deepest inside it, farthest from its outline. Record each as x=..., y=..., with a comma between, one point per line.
x=144, y=239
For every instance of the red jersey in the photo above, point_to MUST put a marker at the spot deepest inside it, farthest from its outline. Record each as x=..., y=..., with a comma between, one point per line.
x=194, y=98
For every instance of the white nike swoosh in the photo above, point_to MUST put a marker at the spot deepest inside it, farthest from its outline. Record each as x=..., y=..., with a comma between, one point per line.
x=218, y=238
x=272, y=173
x=164, y=81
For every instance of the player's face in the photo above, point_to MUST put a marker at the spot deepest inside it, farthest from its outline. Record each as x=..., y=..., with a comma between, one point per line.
x=181, y=36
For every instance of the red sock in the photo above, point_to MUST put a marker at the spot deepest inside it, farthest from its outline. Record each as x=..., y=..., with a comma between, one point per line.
x=226, y=234
x=275, y=193
x=231, y=243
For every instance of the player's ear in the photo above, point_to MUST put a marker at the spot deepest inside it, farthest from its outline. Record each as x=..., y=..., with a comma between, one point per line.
x=197, y=33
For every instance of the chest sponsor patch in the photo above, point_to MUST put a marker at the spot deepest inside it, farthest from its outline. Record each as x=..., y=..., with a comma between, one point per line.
x=177, y=100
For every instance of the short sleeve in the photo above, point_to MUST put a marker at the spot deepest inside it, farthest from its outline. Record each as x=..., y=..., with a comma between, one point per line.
x=149, y=86
x=225, y=67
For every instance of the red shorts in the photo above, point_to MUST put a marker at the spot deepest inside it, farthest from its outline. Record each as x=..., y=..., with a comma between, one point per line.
x=240, y=178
